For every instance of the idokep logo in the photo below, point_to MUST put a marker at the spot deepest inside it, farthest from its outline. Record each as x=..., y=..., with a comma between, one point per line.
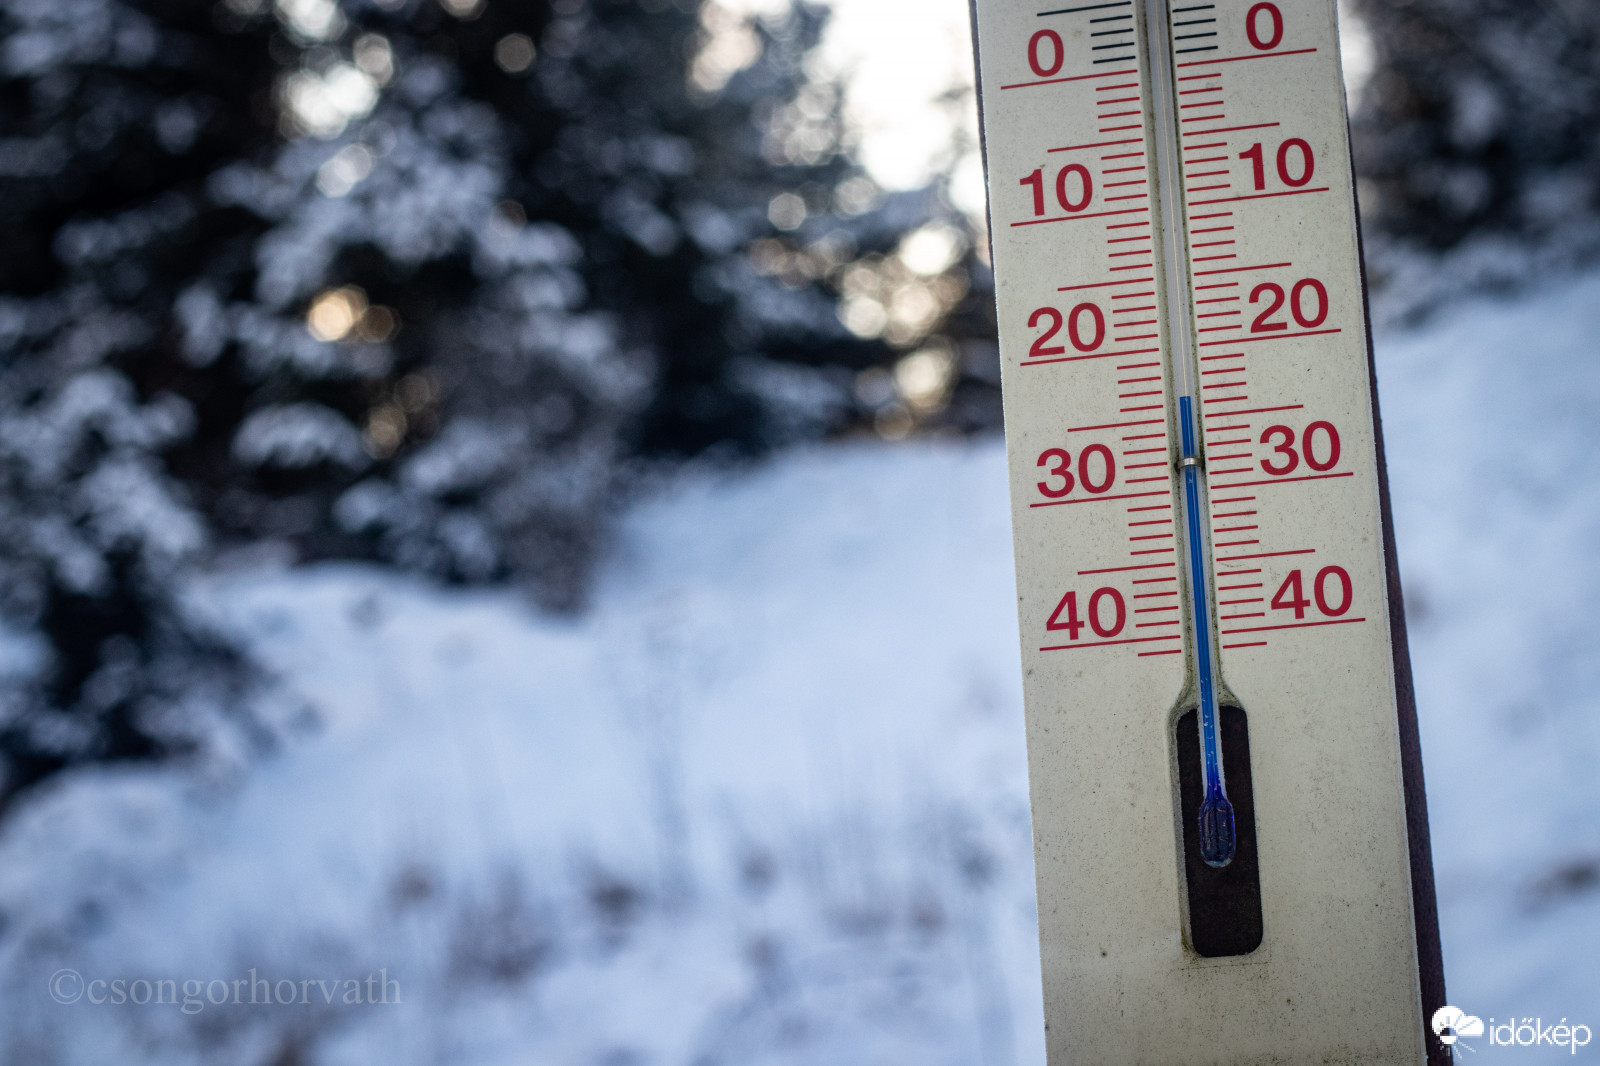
x=1453, y=1026
x=1452, y=1023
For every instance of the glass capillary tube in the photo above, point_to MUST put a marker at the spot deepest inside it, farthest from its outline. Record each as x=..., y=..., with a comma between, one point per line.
x=1216, y=813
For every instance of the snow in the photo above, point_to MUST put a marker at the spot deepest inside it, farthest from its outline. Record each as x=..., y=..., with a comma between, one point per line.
x=1491, y=429
x=765, y=802
x=298, y=435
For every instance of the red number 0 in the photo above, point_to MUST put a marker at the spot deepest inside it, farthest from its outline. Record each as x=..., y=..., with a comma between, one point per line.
x=1333, y=446
x=1251, y=26
x=1308, y=163
x=1297, y=306
x=1075, y=335
x=1117, y=605
x=1346, y=593
x=1057, y=53
x=1109, y=467
x=1087, y=184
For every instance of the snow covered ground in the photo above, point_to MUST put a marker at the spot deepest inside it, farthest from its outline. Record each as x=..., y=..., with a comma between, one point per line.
x=1492, y=422
x=766, y=802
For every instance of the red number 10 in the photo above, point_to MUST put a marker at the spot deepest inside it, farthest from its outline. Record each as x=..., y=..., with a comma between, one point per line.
x=1035, y=181
x=1307, y=163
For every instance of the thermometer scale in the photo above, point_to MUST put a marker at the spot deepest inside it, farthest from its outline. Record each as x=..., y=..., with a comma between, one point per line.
x=1230, y=835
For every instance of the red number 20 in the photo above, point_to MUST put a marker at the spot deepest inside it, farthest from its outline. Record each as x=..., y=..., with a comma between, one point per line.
x=1298, y=300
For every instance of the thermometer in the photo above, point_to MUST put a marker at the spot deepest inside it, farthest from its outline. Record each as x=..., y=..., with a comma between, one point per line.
x=1230, y=836
x=1216, y=829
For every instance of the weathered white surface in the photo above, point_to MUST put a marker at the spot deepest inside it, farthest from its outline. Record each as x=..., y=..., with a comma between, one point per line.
x=1337, y=966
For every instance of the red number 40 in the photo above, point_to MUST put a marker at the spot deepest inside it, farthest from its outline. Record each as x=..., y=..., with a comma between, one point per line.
x=1291, y=594
x=1097, y=611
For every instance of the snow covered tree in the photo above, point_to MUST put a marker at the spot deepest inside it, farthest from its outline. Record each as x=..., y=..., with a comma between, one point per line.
x=529, y=243
x=113, y=118
x=409, y=280
x=1479, y=120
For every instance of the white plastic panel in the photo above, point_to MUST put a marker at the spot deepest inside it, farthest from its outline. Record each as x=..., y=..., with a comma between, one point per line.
x=1276, y=314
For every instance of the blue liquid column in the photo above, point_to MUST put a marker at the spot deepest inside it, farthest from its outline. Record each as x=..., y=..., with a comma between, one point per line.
x=1217, y=837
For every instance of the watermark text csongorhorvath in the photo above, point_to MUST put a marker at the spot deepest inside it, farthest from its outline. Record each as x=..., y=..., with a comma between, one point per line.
x=193, y=995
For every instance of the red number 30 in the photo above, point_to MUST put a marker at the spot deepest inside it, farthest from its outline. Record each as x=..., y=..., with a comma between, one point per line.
x=1057, y=463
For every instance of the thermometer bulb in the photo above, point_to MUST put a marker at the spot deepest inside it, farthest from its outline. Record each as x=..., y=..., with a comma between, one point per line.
x=1216, y=830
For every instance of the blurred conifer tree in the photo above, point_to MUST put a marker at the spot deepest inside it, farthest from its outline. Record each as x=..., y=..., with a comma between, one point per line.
x=1480, y=119
x=407, y=280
